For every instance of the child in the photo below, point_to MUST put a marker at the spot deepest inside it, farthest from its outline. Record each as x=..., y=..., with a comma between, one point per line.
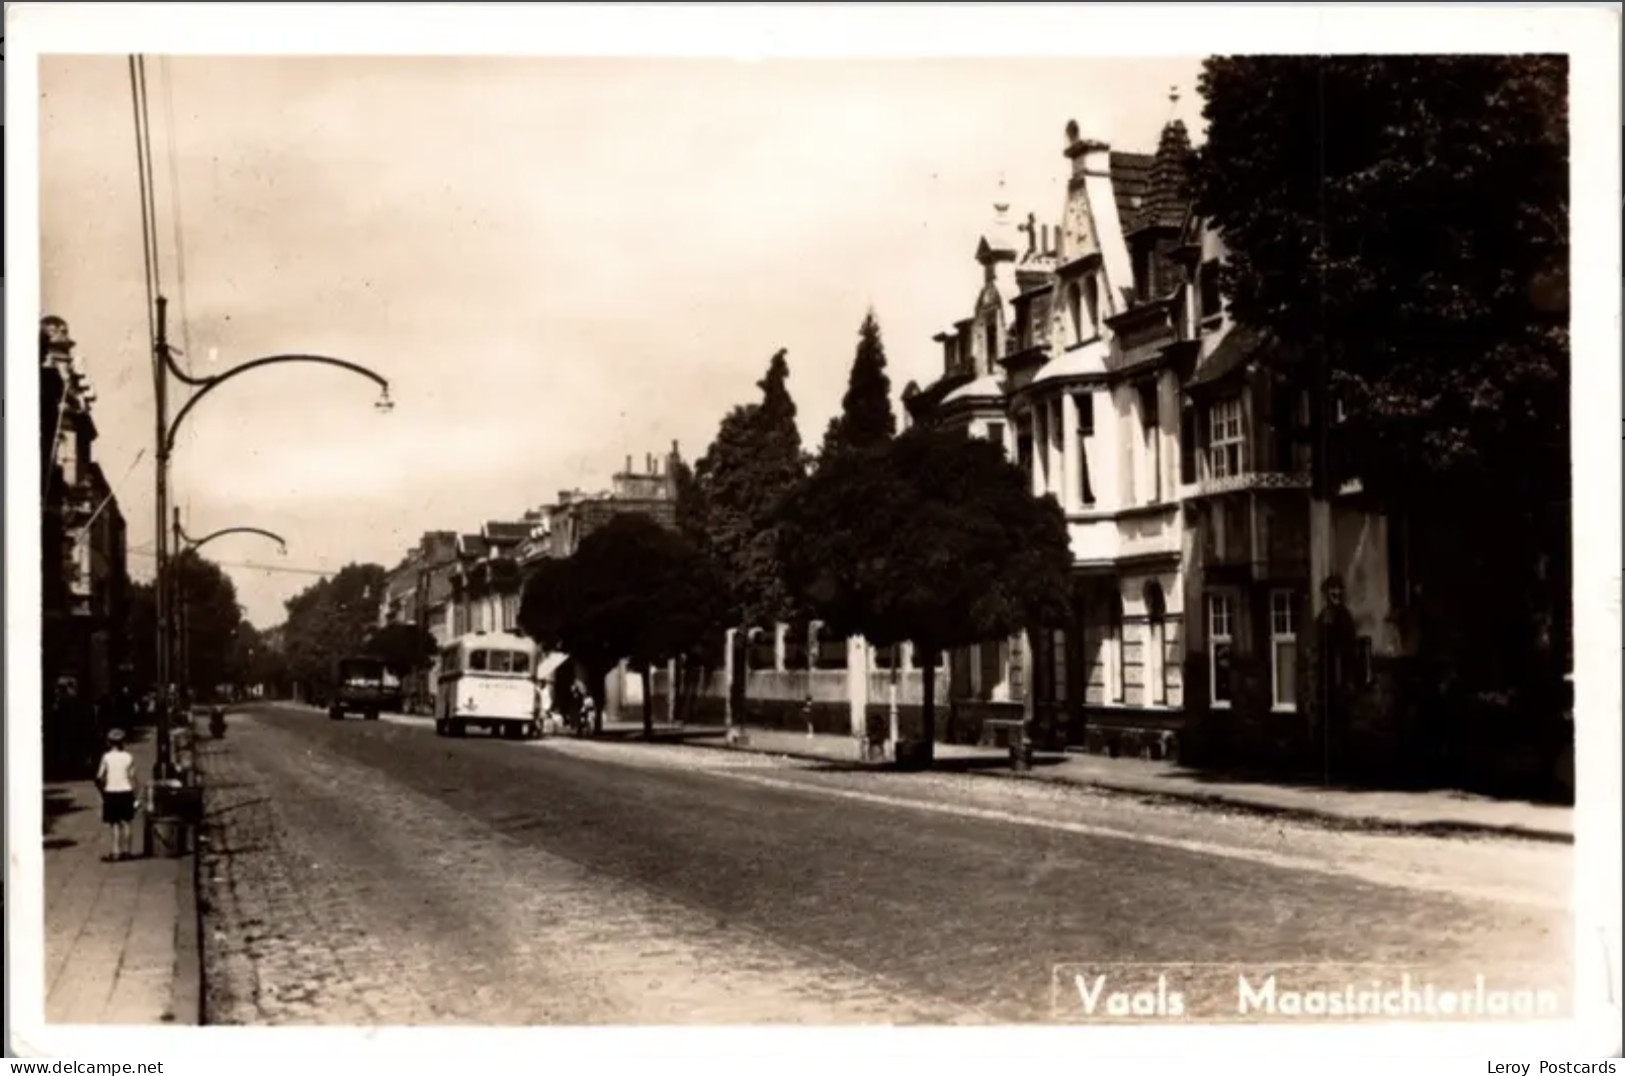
x=115, y=779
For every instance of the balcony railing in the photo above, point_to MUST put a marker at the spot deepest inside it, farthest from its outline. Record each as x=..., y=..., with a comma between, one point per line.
x=1209, y=486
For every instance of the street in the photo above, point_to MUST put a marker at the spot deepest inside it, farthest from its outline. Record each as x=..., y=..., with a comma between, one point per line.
x=371, y=872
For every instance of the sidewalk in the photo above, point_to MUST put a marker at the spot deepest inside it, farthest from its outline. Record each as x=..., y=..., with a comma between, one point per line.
x=1436, y=811
x=120, y=938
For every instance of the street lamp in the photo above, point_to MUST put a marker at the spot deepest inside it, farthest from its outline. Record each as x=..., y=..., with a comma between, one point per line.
x=186, y=543
x=165, y=429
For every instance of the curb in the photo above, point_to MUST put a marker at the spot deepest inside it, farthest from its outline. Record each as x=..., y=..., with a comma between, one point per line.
x=1325, y=819
x=186, y=987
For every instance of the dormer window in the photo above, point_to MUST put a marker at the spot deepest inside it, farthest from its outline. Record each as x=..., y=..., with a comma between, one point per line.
x=1091, y=297
x=991, y=335
x=1074, y=309
x=1142, y=272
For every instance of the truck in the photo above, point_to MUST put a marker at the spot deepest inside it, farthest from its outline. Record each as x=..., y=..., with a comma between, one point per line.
x=365, y=686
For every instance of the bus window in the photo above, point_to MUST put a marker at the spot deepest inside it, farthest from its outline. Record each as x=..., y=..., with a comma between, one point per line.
x=476, y=660
x=521, y=662
x=448, y=660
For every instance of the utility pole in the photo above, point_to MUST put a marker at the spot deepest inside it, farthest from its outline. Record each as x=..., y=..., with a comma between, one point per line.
x=181, y=617
x=160, y=378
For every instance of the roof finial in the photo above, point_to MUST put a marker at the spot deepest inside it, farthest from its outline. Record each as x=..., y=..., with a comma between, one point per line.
x=1000, y=202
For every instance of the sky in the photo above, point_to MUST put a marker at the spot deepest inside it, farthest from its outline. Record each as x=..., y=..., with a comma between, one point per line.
x=556, y=263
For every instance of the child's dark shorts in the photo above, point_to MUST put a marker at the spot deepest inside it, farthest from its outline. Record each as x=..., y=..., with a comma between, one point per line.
x=118, y=807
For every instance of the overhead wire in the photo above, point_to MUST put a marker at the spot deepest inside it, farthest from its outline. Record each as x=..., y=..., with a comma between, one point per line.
x=278, y=568
x=175, y=210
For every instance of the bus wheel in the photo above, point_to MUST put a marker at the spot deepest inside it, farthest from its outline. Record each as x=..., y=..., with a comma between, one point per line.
x=372, y=715
x=336, y=714
x=459, y=729
x=439, y=728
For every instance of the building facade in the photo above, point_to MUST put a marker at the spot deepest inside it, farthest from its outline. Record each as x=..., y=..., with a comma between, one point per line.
x=1222, y=607
x=1073, y=360
x=1299, y=655
x=85, y=597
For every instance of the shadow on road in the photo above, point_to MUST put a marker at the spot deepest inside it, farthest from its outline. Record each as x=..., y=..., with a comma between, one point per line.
x=58, y=802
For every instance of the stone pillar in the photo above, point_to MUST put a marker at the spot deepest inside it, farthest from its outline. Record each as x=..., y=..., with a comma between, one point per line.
x=1072, y=492
x=857, y=691
x=780, y=632
x=1107, y=475
x=1019, y=751
x=729, y=657
x=1057, y=451
x=1040, y=442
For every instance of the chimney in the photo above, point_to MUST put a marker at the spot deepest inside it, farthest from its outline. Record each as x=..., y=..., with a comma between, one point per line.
x=628, y=464
x=1043, y=246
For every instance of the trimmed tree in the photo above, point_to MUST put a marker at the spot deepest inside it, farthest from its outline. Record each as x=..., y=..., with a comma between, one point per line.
x=932, y=538
x=866, y=417
x=633, y=591
x=1400, y=225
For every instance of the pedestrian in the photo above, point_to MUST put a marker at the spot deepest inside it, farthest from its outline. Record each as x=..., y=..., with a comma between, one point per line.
x=115, y=779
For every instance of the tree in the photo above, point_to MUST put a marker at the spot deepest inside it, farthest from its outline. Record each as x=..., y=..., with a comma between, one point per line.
x=633, y=591
x=1399, y=224
x=207, y=619
x=866, y=417
x=330, y=620
x=933, y=538
x=403, y=648
x=754, y=462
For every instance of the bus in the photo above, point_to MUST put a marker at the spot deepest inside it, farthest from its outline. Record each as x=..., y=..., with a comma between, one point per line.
x=365, y=686
x=487, y=680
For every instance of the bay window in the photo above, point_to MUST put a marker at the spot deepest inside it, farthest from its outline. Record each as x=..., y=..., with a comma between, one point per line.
x=1226, y=439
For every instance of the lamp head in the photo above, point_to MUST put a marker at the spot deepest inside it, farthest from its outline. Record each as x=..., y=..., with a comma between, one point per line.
x=385, y=405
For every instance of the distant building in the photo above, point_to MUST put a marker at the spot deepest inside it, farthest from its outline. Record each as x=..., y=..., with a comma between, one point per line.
x=453, y=584
x=652, y=491
x=86, y=656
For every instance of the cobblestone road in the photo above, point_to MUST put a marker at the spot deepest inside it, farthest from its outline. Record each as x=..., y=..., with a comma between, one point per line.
x=370, y=872
x=336, y=896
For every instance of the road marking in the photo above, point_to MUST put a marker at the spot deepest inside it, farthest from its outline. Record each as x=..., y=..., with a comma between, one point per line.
x=1207, y=848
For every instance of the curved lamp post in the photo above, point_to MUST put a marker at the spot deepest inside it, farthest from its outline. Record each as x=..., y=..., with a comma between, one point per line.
x=186, y=543
x=165, y=430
